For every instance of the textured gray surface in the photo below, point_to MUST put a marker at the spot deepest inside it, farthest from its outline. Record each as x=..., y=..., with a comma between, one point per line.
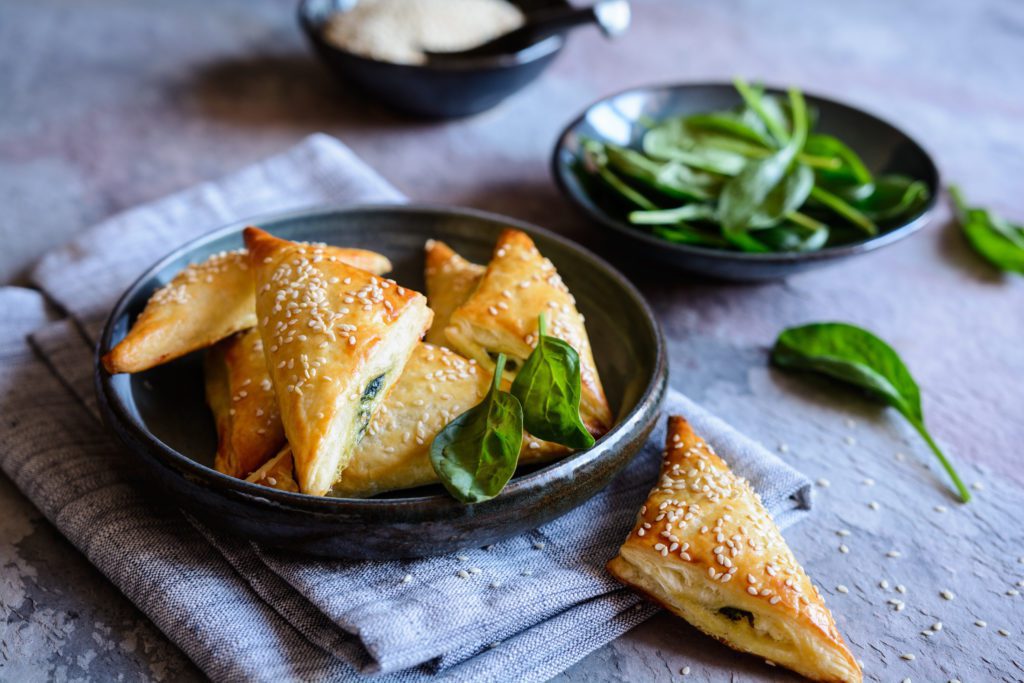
x=116, y=103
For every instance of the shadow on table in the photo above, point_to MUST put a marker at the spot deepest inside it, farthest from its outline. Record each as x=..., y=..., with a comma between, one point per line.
x=274, y=90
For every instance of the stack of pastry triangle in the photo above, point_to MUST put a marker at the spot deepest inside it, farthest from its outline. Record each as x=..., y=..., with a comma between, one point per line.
x=335, y=338
x=501, y=316
x=436, y=386
x=705, y=548
x=201, y=305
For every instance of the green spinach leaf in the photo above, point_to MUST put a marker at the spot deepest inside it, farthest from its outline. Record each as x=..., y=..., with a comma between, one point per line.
x=745, y=194
x=856, y=356
x=548, y=387
x=894, y=197
x=476, y=453
x=998, y=241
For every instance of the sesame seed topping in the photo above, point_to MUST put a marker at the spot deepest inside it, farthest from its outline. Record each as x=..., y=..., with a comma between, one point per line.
x=843, y=548
x=894, y=553
x=900, y=588
x=1003, y=632
x=842, y=589
x=883, y=584
x=407, y=578
x=823, y=483
x=980, y=623
x=874, y=505
x=907, y=656
x=937, y=626
x=947, y=595
x=462, y=574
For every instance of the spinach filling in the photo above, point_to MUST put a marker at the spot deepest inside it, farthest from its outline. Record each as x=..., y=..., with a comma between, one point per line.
x=366, y=400
x=511, y=364
x=735, y=614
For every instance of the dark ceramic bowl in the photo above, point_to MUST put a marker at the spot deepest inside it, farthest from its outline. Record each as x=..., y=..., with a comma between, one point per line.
x=446, y=90
x=162, y=417
x=617, y=119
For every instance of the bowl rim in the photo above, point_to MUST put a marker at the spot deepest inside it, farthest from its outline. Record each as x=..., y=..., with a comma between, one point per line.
x=547, y=47
x=116, y=414
x=559, y=171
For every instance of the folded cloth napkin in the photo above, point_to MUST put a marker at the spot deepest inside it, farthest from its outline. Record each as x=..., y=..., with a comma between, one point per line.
x=523, y=609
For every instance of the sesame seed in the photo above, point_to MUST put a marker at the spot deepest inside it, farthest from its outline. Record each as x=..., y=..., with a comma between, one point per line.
x=980, y=623
x=977, y=486
x=843, y=548
x=894, y=553
x=462, y=574
x=868, y=482
x=842, y=589
x=539, y=545
x=940, y=508
x=495, y=584
x=1003, y=632
x=947, y=595
x=685, y=671
x=849, y=440
x=928, y=633
x=937, y=626
x=883, y=584
x=823, y=483
x=874, y=505
x=526, y=572
x=900, y=588
x=461, y=558
x=407, y=578
x=1012, y=592
x=475, y=570
x=843, y=532
x=783, y=448
x=906, y=680
x=907, y=656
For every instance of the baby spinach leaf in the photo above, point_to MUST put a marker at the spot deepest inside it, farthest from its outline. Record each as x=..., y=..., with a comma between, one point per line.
x=793, y=237
x=686, y=212
x=674, y=140
x=855, y=356
x=683, y=233
x=844, y=209
x=998, y=241
x=894, y=197
x=744, y=195
x=670, y=178
x=548, y=387
x=476, y=453
x=849, y=171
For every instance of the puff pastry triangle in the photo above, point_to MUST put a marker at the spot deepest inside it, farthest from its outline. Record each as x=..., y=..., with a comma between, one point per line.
x=705, y=548
x=450, y=280
x=336, y=338
x=244, y=404
x=201, y=305
x=501, y=317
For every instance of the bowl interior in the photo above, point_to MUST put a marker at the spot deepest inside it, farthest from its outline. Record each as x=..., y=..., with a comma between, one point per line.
x=619, y=119
x=167, y=403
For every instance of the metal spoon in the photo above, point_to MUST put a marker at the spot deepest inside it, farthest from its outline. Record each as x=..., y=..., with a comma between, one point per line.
x=611, y=16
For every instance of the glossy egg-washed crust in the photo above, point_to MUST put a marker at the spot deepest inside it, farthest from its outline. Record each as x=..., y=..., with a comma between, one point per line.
x=501, y=316
x=244, y=405
x=277, y=473
x=450, y=279
x=436, y=386
x=329, y=332
x=707, y=528
x=201, y=305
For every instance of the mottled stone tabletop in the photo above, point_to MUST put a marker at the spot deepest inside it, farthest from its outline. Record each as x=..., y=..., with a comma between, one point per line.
x=110, y=103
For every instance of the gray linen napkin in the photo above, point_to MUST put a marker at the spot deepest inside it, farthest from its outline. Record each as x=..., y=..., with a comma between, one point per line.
x=537, y=604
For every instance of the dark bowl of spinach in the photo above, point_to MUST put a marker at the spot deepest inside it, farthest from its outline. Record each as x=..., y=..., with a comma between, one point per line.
x=162, y=418
x=745, y=183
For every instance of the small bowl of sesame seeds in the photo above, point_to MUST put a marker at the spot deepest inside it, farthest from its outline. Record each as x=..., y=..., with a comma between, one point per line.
x=162, y=418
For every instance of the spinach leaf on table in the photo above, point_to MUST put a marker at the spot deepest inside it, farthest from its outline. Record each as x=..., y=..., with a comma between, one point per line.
x=855, y=356
x=476, y=453
x=998, y=241
x=548, y=388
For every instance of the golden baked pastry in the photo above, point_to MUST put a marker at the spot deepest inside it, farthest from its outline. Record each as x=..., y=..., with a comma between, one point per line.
x=450, y=280
x=335, y=339
x=201, y=305
x=277, y=473
x=501, y=317
x=705, y=548
x=240, y=394
x=436, y=386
